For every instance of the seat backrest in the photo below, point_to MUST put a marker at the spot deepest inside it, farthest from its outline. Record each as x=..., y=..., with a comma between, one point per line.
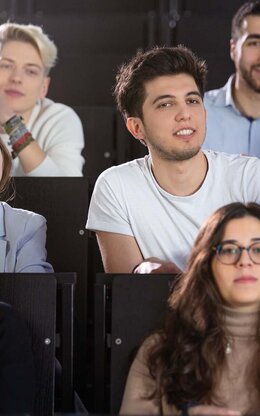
x=64, y=204
x=34, y=297
x=63, y=201
x=128, y=308
x=45, y=302
x=99, y=132
x=107, y=140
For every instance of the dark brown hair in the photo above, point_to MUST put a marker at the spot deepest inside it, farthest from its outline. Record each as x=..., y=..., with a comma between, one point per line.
x=6, y=169
x=189, y=356
x=129, y=90
x=248, y=8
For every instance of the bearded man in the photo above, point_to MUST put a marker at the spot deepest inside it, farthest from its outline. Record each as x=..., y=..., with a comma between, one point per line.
x=233, y=111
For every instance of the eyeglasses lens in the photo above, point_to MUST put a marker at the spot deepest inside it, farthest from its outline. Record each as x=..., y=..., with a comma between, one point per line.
x=230, y=253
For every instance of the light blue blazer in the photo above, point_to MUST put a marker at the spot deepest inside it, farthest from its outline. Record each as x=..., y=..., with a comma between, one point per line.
x=22, y=241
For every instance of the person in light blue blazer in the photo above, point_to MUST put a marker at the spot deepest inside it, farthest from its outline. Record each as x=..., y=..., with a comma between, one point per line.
x=22, y=233
x=22, y=249
x=22, y=241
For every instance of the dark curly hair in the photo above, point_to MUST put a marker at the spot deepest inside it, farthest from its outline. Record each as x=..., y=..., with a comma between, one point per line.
x=189, y=356
x=129, y=90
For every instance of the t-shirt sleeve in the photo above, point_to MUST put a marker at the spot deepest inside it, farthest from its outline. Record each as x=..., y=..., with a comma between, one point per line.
x=251, y=180
x=108, y=207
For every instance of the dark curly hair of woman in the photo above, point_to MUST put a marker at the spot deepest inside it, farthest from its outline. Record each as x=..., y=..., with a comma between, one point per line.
x=189, y=356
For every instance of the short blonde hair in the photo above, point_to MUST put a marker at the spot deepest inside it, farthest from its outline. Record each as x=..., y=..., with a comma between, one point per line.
x=35, y=36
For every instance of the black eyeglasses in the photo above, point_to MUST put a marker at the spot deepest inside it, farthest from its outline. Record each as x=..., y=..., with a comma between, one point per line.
x=230, y=253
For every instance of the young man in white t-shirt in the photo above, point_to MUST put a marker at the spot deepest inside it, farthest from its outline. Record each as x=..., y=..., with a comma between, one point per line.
x=146, y=213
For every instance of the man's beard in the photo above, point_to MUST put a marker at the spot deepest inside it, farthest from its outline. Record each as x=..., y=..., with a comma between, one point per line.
x=173, y=154
x=249, y=79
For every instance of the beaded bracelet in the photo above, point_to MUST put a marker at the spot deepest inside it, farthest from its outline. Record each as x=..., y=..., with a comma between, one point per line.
x=16, y=134
x=19, y=136
x=25, y=144
x=21, y=141
x=12, y=124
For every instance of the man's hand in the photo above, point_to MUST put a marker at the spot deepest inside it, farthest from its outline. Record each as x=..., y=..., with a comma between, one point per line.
x=153, y=265
x=120, y=254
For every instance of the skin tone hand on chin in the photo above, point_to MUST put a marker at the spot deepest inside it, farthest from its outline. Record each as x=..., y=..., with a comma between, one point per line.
x=153, y=265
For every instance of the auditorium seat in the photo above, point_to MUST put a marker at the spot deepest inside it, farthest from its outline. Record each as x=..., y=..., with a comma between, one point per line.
x=45, y=303
x=214, y=7
x=127, y=308
x=198, y=33
x=89, y=33
x=81, y=6
x=64, y=203
x=107, y=140
x=100, y=138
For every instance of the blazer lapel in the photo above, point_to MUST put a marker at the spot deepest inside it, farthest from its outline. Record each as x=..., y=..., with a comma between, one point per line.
x=2, y=255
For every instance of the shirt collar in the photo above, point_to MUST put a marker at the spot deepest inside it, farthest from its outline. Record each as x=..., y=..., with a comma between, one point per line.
x=228, y=94
x=228, y=91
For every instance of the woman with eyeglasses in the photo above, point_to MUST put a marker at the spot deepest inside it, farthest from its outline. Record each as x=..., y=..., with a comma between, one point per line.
x=206, y=359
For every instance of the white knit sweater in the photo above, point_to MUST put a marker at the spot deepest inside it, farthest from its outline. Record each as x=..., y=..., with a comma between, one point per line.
x=58, y=131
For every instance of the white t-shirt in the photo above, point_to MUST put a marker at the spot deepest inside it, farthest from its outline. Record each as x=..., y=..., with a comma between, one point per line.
x=128, y=200
x=59, y=133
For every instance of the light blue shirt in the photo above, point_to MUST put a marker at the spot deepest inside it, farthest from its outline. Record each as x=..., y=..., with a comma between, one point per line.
x=227, y=129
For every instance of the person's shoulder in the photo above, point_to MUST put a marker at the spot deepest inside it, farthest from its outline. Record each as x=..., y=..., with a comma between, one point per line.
x=125, y=169
x=51, y=107
x=216, y=156
x=149, y=344
x=47, y=103
x=231, y=160
x=215, y=96
x=213, y=93
x=218, y=96
x=21, y=217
